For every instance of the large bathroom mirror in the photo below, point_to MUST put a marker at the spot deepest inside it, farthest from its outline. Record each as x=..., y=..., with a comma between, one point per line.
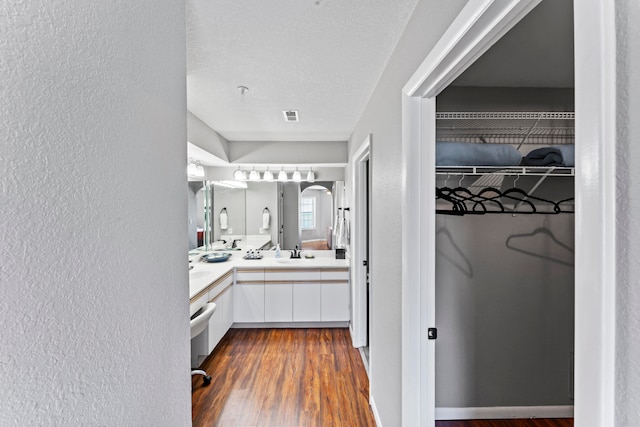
x=292, y=214
x=199, y=213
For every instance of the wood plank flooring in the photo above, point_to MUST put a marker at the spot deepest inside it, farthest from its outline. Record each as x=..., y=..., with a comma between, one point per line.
x=281, y=378
x=320, y=245
x=296, y=377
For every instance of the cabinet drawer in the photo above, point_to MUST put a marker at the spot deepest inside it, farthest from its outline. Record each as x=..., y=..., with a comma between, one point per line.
x=335, y=274
x=197, y=304
x=249, y=275
x=219, y=286
x=291, y=275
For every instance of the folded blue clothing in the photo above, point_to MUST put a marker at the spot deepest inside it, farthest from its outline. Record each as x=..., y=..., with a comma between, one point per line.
x=472, y=154
x=558, y=155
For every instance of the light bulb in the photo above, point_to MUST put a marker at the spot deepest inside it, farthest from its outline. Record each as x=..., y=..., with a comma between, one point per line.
x=199, y=170
x=268, y=176
x=296, y=176
x=311, y=177
x=282, y=176
x=254, y=175
x=239, y=175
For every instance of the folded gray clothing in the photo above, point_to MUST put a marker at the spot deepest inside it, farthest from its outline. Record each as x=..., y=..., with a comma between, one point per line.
x=472, y=154
x=558, y=155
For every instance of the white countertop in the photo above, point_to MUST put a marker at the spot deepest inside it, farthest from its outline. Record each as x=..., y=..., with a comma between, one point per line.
x=204, y=273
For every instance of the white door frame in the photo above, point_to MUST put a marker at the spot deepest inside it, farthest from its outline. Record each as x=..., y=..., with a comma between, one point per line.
x=358, y=271
x=478, y=26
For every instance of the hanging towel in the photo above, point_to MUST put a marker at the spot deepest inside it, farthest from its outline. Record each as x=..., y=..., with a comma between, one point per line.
x=558, y=155
x=266, y=218
x=224, y=219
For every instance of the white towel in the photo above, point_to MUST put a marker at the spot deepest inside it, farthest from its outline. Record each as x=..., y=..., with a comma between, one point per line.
x=266, y=218
x=224, y=221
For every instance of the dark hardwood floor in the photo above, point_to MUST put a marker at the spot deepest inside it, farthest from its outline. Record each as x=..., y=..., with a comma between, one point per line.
x=296, y=377
x=282, y=378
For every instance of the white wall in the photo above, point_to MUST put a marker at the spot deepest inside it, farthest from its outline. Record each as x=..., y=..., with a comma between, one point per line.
x=382, y=118
x=94, y=307
x=206, y=138
x=628, y=226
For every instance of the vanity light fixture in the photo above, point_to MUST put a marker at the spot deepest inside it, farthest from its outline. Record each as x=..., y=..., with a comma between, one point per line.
x=268, y=176
x=239, y=175
x=195, y=169
x=254, y=175
x=282, y=176
x=296, y=176
x=311, y=176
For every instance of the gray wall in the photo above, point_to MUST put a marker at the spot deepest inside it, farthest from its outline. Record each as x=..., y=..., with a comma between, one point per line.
x=94, y=281
x=290, y=209
x=234, y=199
x=382, y=118
x=504, y=315
x=262, y=195
x=627, y=397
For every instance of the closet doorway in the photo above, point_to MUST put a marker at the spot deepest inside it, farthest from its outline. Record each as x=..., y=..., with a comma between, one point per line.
x=474, y=31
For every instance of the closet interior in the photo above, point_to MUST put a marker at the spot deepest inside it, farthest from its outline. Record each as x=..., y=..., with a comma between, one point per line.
x=505, y=227
x=504, y=249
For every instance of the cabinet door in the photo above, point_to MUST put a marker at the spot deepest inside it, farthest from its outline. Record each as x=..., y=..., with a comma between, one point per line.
x=306, y=302
x=278, y=302
x=216, y=325
x=249, y=306
x=335, y=302
x=229, y=304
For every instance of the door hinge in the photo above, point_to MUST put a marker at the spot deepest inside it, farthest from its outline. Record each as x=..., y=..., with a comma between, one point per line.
x=365, y=263
x=432, y=333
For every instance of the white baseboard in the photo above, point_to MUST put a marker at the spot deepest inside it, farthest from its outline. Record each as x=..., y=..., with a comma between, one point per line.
x=376, y=416
x=504, y=412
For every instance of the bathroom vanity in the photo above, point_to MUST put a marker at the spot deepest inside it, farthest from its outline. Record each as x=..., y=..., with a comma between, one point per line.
x=269, y=292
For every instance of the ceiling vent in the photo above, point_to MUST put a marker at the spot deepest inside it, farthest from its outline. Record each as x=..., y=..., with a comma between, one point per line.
x=290, y=116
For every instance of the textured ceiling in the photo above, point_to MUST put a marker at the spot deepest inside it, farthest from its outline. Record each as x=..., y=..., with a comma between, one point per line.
x=321, y=57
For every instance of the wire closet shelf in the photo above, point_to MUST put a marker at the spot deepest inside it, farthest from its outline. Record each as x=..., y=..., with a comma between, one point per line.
x=509, y=127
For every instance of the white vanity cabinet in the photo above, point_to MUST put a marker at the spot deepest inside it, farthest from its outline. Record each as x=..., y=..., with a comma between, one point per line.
x=221, y=292
x=292, y=295
x=306, y=301
x=278, y=302
x=283, y=297
x=249, y=296
x=219, y=323
x=336, y=295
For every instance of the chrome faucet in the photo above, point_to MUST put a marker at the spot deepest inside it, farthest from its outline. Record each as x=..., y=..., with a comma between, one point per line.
x=295, y=253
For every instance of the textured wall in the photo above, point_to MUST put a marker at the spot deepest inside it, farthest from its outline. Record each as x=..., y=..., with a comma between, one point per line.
x=383, y=118
x=628, y=227
x=93, y=272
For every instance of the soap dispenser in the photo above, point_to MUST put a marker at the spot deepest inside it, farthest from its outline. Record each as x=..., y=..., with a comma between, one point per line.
x=278, y=254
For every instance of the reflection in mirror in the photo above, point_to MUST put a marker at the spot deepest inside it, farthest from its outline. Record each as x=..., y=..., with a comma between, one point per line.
x=316, y=206
x=199, y=211
x=246, y=208
x=229, y=201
